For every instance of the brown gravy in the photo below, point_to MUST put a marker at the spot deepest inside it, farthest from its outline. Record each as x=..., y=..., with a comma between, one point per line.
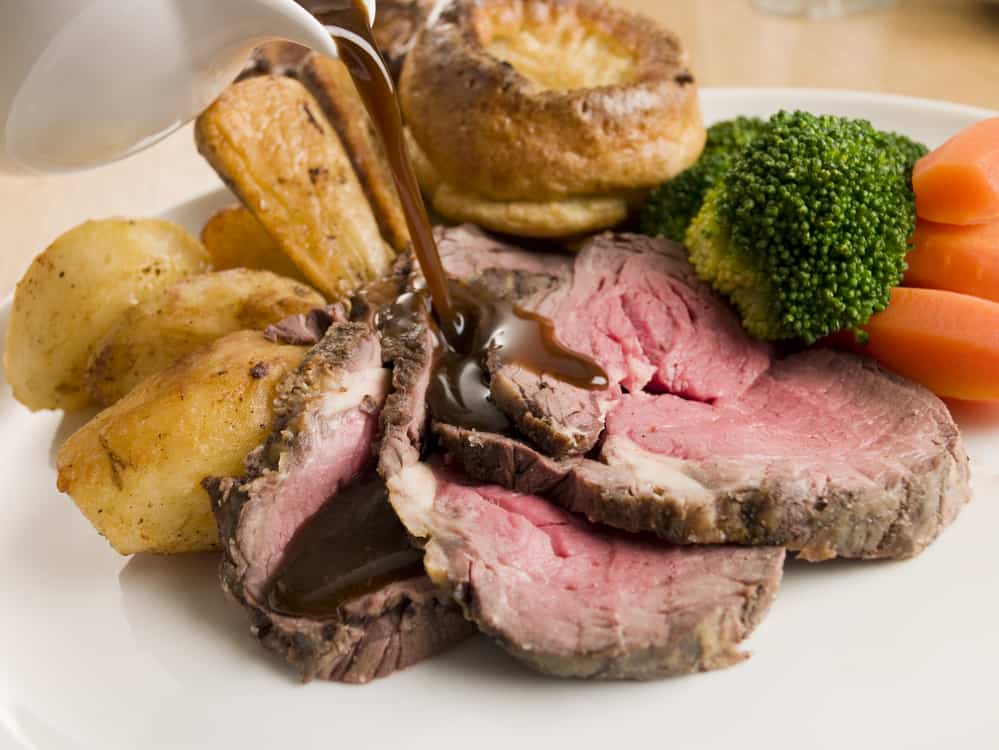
x=488, y=329
x=355, y=544
x=472, y=325
x=351, y=546
x=374, y=84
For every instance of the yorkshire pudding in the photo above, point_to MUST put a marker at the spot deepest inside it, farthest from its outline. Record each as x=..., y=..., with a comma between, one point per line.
x=536, y=102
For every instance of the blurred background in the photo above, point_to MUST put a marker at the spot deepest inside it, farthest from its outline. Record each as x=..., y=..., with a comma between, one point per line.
x=939, y=49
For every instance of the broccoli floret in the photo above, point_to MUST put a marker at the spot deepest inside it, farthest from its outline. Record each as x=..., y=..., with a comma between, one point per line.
x=911, y=151
x=671, y=207
x=807, y=232
x=729, y=269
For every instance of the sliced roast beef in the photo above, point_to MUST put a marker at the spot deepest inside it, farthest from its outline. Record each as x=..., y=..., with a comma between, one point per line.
x=564, y=595
x=506, y=271
x=632, y=303
x=307, y=493
x=562, y=419
x=306, y=329
x=713, y=438
x=573, y=599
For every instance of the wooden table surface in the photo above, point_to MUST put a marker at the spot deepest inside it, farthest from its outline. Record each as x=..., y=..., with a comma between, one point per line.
x=943, y=49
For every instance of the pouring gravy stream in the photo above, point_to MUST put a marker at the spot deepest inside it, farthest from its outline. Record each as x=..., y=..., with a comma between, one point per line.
x=462, y=317
x=470, y=326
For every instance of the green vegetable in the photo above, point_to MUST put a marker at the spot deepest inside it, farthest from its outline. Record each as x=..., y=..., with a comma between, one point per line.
x=807, y=232
x=911, y=151
x=670, y=208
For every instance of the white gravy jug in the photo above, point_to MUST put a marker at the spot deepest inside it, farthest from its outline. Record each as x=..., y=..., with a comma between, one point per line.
x=85, y=82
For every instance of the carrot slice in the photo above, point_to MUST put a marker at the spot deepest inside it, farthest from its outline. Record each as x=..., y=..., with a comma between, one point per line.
x=958, y=183
x=961, y=259
x=949, y=342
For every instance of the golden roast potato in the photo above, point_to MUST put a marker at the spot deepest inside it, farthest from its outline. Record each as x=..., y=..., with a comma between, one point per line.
x=329, y=81
x=135, y=470
x=270, y=142
x=175, y=321
x=235, y=239
x=74, y=291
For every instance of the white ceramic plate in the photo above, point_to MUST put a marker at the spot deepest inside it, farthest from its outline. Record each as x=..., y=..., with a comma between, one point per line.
x=100, y=651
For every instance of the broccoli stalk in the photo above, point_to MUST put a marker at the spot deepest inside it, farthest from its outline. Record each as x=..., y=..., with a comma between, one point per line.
x=807, y=232
x=671, y=207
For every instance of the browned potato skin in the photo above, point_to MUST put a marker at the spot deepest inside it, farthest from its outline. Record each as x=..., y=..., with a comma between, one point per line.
x=329, y=81
x=269, y=141
x=135, y=470
x=175, y=321
x=74, y=291
x=235, y=239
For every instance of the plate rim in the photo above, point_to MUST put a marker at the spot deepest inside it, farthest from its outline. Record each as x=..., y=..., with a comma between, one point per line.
x=818, y=94
x=854, y=95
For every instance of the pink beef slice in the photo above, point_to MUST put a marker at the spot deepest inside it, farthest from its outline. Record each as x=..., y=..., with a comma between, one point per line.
x=826, y=454
x=710, y=436
x=574, y=599
x=324, y=439
x=632, y=303
x=566, y=596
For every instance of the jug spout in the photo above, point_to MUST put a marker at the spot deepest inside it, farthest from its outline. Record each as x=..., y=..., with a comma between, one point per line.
x=88, y=82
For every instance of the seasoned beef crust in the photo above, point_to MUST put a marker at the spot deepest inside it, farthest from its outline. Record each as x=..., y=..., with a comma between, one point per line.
x=326, y=417
x=574, y=599
x=711, y=438
x=564, y=596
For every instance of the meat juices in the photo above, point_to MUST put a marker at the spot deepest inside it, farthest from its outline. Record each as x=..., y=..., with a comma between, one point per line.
x=351, y=546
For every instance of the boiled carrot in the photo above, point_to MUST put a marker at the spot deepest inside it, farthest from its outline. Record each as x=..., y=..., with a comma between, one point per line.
x=947, y=341
x=959, y=259
x=958, y=183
